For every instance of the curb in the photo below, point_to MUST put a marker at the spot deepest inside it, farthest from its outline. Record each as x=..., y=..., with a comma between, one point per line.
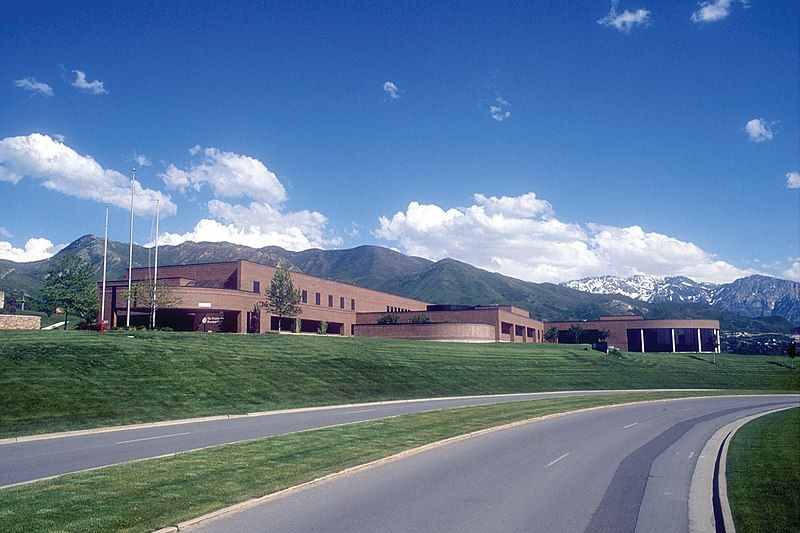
x=709, y=508
x=147, y=425
x=402, y=455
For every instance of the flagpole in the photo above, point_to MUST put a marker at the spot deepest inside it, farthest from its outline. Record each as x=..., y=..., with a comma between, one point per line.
x=155, y=270
x=130, y=254
x=103, y=292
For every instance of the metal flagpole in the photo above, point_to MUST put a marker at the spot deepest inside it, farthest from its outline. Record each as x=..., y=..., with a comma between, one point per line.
x=130, y=254
x=103, y=292
x=155, y=270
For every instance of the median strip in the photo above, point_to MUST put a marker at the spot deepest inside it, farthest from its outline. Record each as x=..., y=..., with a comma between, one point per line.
x=155, y=493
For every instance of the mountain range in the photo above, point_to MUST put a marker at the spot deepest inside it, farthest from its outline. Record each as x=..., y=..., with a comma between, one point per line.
x=753, y=296
x=755, y=304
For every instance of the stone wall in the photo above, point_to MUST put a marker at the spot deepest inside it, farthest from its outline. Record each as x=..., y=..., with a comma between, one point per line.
x=20, y=322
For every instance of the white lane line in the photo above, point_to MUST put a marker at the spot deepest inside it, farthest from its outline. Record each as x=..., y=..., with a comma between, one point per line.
x=360, y=411
x=690, y=455
x=551, y=463
x=152, y=438
x=630, y=425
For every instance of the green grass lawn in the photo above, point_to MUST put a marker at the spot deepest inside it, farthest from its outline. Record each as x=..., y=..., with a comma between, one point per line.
x=145, y=495
x=59, y=380
x=764, y=474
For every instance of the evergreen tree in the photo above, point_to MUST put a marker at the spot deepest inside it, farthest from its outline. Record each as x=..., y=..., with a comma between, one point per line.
x=551, y=335
x=70, y=285
x=283, y=300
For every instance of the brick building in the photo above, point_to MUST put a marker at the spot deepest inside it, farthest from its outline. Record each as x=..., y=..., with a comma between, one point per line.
x=225, y=297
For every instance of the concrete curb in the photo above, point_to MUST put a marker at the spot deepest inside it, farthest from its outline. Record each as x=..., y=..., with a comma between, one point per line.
x=147, y=425
x=708, y=493
x=404, y=454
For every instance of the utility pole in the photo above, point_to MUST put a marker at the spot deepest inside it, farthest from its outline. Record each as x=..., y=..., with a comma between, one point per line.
x=103, y=292
x=130, y=254
x=155, y=270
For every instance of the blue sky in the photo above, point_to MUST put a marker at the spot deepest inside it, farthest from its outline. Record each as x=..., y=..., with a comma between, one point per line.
x=656, y=137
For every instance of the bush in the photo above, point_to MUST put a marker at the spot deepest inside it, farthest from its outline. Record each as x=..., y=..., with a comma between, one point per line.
x=323, y=328
x=388, y=318
x=420, y=319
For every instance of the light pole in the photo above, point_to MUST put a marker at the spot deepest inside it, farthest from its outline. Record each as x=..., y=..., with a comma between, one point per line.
x=155, y=271
x=130, y=254
x=103, y=292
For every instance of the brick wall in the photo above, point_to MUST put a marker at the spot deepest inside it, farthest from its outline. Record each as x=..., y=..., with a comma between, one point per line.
x=430, y=331
x=20, y=322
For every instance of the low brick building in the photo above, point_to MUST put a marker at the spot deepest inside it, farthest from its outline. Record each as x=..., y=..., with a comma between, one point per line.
x=637, y=334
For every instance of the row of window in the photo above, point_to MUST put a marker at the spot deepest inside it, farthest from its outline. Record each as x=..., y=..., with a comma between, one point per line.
x=317, y=297
x=392, y=309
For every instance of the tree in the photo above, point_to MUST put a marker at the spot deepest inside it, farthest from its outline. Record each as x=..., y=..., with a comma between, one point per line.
x=420, y=319
x=551, y=335
x=69, y=284
x=603, y=334
x=141, y=295
x=791, y=351
x=575, y=331
x=283, y=300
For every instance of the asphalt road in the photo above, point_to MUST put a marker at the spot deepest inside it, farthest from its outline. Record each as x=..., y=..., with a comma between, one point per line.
x=26, y=461
x=622, y=469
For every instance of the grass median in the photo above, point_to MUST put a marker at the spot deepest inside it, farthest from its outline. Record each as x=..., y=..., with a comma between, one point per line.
x=62, y=380
x=149, y=494
x=763, y=474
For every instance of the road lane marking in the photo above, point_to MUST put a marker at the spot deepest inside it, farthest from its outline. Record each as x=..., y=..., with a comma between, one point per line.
x=360, y=411
x=690, y=455
x=152, y=438
x=630, y=425
x=551, y=463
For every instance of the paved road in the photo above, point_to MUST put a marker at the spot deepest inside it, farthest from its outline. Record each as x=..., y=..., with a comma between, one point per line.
x=25, y=461
x=617, y=470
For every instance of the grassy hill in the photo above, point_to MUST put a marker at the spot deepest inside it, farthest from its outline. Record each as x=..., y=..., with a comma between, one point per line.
x=56, y=380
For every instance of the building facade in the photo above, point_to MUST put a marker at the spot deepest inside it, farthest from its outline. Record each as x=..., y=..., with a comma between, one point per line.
x=637, y=334
x=226, y=297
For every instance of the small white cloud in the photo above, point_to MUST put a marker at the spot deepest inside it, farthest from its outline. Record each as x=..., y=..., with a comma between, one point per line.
x=35, y=250
x=391, y=90
x=229, y=175
x=626, y=20
x=5, y=233
x=499, y=110
x=60, y=138
x=793, y=272
x=758, y=130
x=92, y=87
x=194, y=150
x=713, y=11
x=142, y=160
x=793, y=180
x=34, y=86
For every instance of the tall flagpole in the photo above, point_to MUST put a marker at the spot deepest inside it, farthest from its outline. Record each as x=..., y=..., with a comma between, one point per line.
x=103, y=292
x=155, y=270
x=130, y=254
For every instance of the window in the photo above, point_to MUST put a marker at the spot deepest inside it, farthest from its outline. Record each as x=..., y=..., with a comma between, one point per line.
x=317, y=299
x=352, y=304
x=330, y=300
x=257, y=286
x=304, y=297
x=341, y=302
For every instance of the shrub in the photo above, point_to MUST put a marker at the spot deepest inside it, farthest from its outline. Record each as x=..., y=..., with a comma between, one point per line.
x=388, y=318
x=323, y=328
x=420, y=319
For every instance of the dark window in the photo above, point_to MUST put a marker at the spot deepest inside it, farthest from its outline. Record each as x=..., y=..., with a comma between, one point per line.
x=304, y=297
x=317, y=299
x=341, y=302
x=330, y=300
x=257, y=286
x=352, y=304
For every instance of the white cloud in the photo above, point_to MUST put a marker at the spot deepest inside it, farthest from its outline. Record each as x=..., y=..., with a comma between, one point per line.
x=793, y=272
x=229, y=175
x=793, y=180
x=92, y=87
x=520, y=237
x=391, y=90
x=142, y=160
x=34, y=86
x=758, y=130
x=5, y=233
x=60, y=168
x=499, y=110
x=35, y=250
x=714, y=10
x=626, y=20
x=258, y=225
